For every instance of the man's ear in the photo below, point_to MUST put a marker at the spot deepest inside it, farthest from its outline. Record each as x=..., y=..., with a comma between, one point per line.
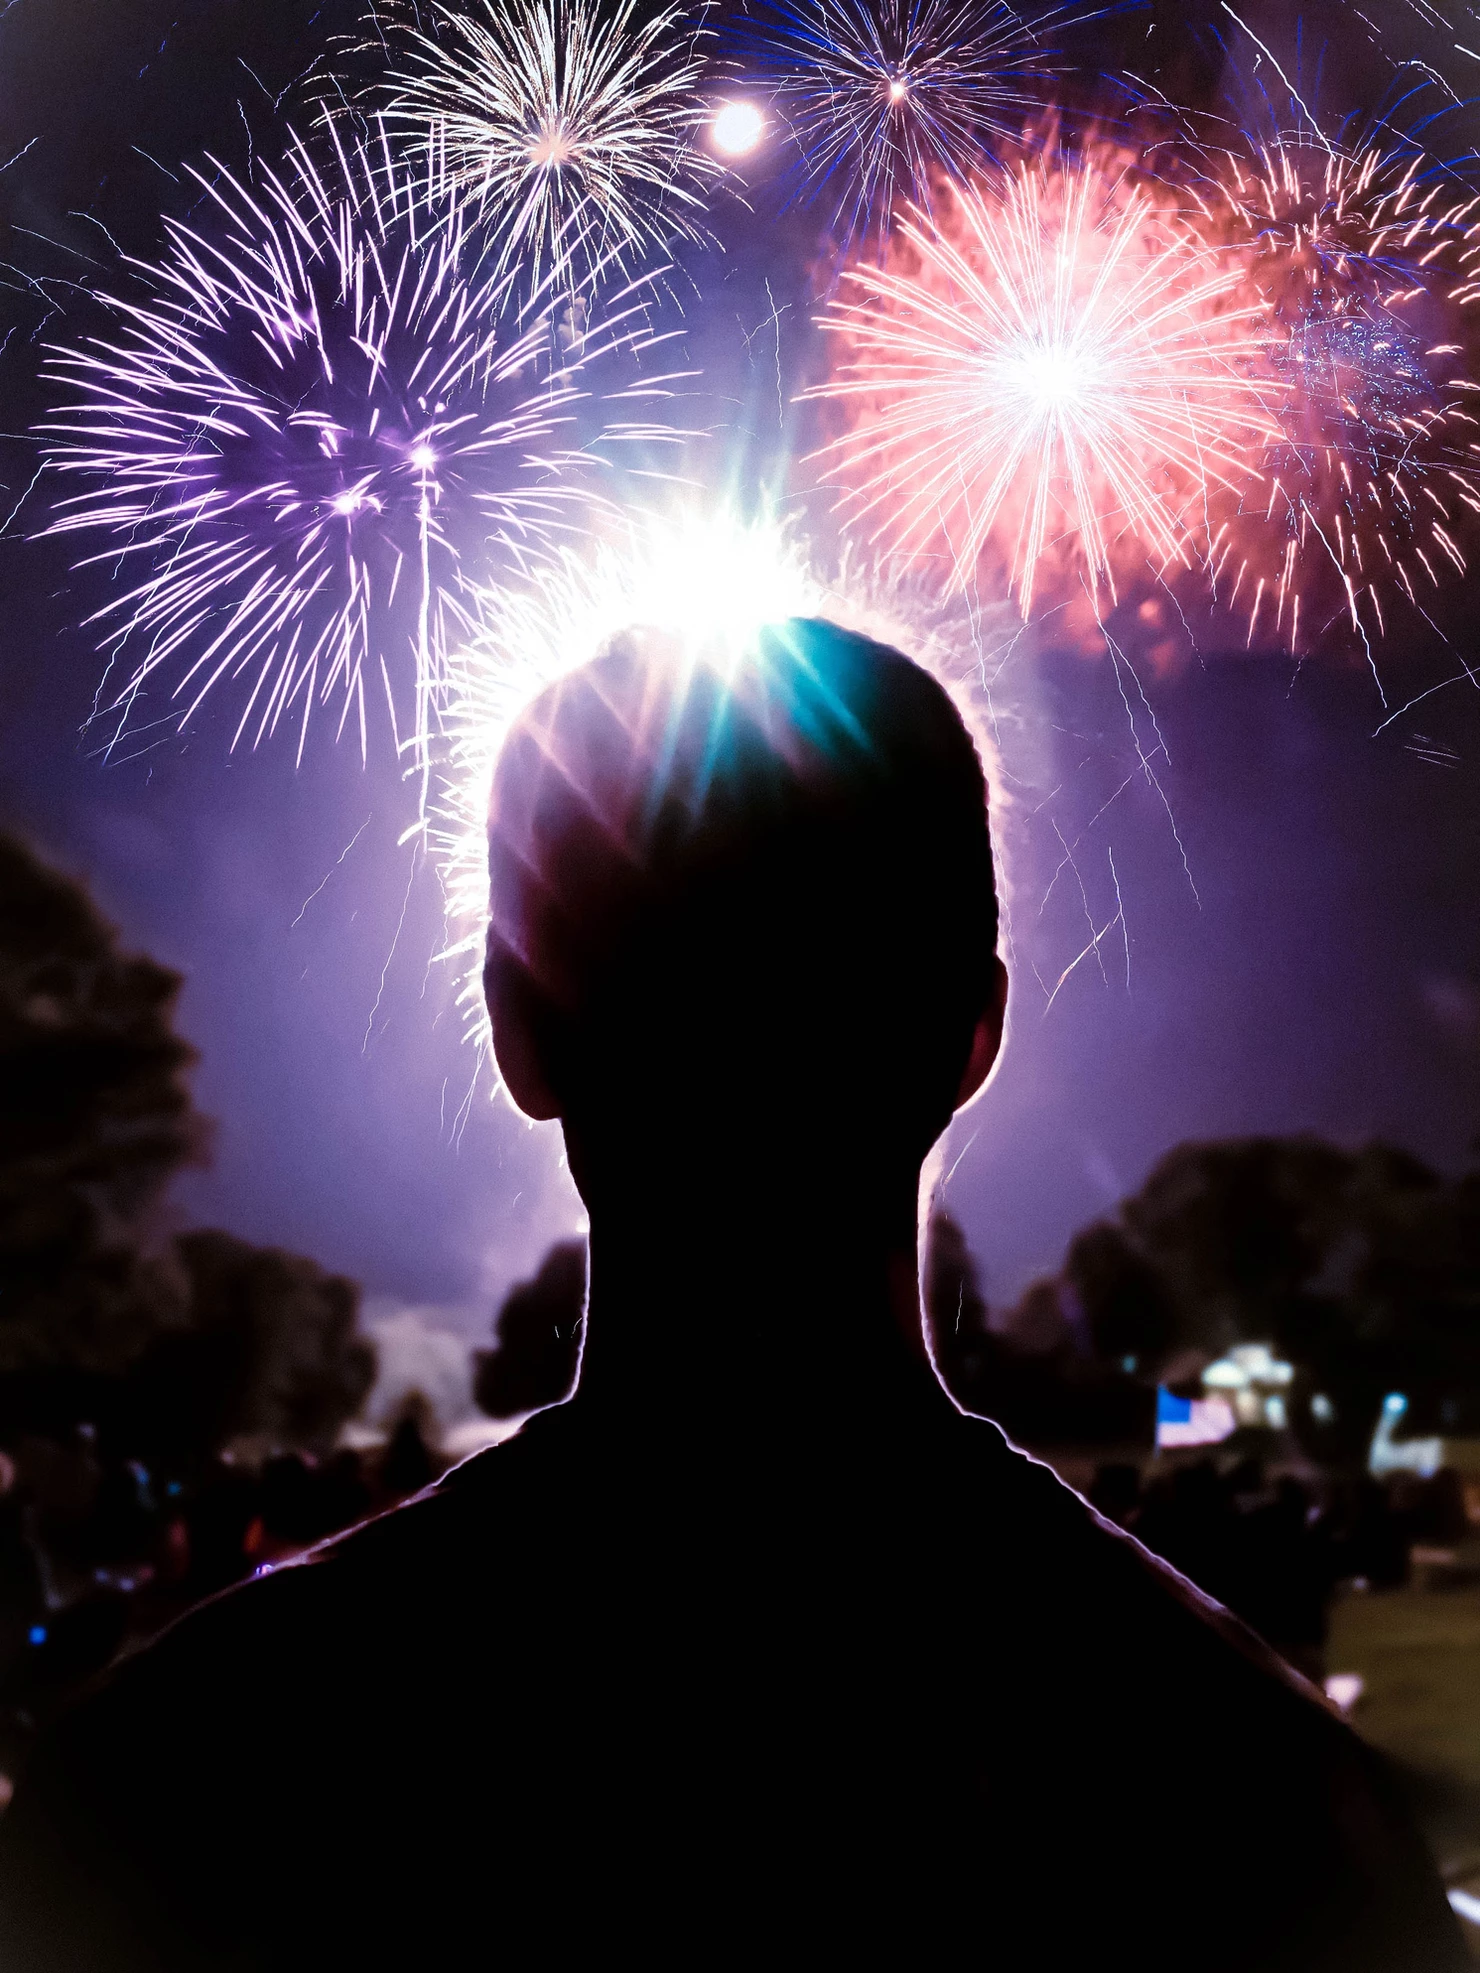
x=986, y=1039
x=515, y=1012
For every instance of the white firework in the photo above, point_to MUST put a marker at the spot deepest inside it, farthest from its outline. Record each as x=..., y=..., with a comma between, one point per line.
x=568, y=126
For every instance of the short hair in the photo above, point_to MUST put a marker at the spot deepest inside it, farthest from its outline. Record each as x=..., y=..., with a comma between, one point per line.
x=799, y=839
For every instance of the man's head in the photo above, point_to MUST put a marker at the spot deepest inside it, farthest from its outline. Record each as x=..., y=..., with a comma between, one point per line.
x=744, y=903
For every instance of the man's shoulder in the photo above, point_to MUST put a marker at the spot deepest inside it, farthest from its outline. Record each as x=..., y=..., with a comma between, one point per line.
x=1189, y=1741
x=1049, y=1541
x=311, y=1639
x=324, y=1696
x=384, y=1587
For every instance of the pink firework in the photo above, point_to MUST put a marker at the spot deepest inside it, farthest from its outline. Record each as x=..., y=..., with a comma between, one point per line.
x=1050, y=380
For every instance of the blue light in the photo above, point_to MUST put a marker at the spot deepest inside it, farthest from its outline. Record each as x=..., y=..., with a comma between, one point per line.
x=37, y=1634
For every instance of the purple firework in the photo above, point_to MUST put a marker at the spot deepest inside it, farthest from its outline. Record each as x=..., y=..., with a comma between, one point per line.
x=887, y=97
x=301, y=428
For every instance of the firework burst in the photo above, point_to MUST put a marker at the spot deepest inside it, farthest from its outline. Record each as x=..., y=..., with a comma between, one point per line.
x=1055, y=376
x=1364, y=262
x=569, y=128
x=885, y=96
x=299, y=430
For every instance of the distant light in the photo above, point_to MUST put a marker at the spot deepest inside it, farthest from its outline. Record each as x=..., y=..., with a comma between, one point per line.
x=737, y=128
x=1192, y=1421
x=1388, y=1454
x=423, y=457
x=1344, y=1689
x=898, y=90
x=1465, y=1906
x=36, y=1634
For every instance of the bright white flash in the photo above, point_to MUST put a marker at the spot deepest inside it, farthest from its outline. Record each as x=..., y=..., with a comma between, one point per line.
x=707, y=582
x=737, y=128
x=1048, y=376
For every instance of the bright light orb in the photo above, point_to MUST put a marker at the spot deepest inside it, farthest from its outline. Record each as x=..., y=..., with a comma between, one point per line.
x=1048, y=376
x=707, y=584
x=898, y=90
x=737, y=128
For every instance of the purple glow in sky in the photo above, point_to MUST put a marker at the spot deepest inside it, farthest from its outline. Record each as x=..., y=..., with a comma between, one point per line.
x=1235, y=904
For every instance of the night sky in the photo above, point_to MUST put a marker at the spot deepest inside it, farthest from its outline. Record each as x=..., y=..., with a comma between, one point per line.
x=1300, y=946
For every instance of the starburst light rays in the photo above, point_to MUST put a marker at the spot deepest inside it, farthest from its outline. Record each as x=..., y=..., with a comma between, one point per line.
x=706, y=582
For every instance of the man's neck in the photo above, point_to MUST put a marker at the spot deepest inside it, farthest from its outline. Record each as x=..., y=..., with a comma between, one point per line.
x=765, y=1319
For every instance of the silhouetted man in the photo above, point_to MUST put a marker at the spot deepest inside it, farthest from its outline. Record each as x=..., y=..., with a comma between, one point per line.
x=756, y=1652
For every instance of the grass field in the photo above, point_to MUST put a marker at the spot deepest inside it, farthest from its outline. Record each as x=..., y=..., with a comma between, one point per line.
x=1419, y=1653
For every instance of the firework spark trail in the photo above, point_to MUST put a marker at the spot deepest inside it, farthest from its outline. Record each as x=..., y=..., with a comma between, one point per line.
x=1059, y=372
x=1089, y=917
x=301, y=427
x=1365, y=260
x=1074, y=963
x=337, y=864
x=1125, y=930
x=1119, y=660
x=885, y=96
x=573, y=130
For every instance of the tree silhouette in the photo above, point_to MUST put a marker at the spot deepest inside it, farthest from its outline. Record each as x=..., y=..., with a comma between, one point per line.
x=537, y=1338
x=95, y=1118
x=270, y=1354
x=1362, y=1268
x=172, y=1349
x=1036, y=1374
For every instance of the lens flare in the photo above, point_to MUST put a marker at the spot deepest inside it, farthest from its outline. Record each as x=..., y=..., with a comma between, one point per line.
x=1365, y=263
x=568, y=128
x=707, y=582
x=305, y=420
x=1052, y=379
x=884, y=97
x=736, y=129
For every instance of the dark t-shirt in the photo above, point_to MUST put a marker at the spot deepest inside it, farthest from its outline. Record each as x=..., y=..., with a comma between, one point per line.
x=898, y=1698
